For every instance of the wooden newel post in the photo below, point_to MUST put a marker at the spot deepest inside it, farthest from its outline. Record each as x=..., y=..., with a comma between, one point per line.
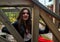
x=56, y=10
x=35, y=23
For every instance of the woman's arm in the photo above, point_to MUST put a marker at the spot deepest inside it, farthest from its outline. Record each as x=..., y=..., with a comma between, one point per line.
x=5, y=30
x=46, y=30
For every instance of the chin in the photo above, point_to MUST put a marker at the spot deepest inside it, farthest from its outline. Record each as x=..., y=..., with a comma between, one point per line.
x=25, y=19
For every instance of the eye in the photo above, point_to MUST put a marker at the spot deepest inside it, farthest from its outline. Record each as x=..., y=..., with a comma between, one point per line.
x=25, y=13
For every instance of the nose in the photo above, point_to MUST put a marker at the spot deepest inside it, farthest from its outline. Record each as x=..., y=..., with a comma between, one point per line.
x=25, y=13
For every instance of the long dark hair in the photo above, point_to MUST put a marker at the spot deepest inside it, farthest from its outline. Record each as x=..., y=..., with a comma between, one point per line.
x=21, y=21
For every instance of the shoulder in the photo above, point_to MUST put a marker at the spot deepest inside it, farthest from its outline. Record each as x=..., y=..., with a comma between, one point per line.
x=4, y=29
x=15, y=23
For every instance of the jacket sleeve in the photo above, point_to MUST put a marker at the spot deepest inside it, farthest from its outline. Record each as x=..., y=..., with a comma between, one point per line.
x=44, y=31
x=5, y=30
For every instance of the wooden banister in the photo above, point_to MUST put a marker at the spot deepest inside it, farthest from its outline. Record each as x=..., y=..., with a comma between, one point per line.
x=46, y=9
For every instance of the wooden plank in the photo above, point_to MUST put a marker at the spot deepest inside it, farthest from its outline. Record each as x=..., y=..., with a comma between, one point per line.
x=50, y=24
x=10, y=28
x=56, y=10
x=10, y=10
x=46, y=9
x=3, y=39
x=15, y=3
x=35, y=21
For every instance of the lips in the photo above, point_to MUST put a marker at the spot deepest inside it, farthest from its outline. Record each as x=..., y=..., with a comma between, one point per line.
x=25, y=16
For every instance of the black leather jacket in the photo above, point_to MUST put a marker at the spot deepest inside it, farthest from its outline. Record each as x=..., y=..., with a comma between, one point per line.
x=22, y=30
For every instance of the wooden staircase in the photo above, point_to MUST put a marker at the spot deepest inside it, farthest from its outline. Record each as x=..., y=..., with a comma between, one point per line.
x=37, y=10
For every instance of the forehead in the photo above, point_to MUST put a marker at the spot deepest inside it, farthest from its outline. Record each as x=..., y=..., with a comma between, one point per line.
x=25, y=10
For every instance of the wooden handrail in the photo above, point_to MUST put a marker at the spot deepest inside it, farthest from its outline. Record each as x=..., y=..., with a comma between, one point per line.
x=46, y=9
x=50, y=24
x=15, y=3
x=43, y=13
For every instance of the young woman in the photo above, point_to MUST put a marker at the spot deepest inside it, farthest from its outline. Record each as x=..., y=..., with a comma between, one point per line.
x=23, y=25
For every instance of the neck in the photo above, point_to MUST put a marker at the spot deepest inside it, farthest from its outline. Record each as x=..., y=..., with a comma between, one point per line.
x=25, y=23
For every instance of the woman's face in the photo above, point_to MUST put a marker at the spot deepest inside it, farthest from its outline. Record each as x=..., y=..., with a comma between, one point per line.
x=25, y=15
